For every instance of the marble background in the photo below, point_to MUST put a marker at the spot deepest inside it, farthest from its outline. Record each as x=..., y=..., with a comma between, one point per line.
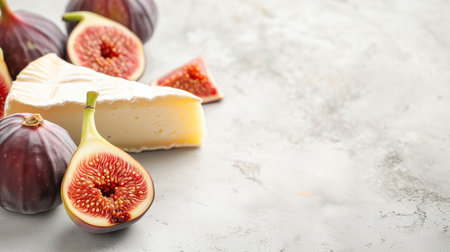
x=334, y=133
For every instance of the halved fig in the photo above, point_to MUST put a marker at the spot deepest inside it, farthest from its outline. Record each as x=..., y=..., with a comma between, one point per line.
x=193, y=77
x=5, y=84
x=104, y=189
x=105, y=46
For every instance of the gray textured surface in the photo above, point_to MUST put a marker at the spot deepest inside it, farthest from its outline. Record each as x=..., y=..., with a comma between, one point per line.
x=334, y=134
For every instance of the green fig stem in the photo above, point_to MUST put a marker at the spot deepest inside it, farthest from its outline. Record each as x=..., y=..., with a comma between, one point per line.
x=6, y=12
x=77, y=16
x=89, y=129
x=3, y=6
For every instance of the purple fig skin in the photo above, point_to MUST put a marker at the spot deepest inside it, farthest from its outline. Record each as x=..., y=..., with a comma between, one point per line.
x=26, y=36
x=33, y=160
x=140, y=16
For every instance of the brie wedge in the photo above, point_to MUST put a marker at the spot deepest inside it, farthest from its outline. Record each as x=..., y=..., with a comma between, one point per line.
x=130, y=115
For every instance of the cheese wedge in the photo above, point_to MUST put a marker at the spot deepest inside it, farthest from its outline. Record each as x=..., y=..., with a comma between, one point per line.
x=130, y=115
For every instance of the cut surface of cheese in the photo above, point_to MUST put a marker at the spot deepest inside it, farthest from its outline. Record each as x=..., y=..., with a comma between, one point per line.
x=130, y=115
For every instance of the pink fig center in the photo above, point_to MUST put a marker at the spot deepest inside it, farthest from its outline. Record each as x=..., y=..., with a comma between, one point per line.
x=108, y=51
x=113, y=52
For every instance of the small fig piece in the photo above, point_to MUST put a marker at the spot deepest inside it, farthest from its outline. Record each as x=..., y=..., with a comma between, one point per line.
x=5, y=84
x=193, y=77
x=34, y=154
x=25, y=36
x=104, y=189
x=140, y=16
x=105, y=46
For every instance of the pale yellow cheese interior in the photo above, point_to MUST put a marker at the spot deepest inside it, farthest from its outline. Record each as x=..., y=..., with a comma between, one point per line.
x=130, y=115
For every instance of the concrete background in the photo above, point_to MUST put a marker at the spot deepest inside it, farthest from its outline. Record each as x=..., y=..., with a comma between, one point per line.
x=334, y=133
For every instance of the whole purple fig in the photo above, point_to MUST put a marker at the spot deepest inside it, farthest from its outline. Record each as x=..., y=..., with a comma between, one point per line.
x=25, y=36
x=34, y=154
x=140, y=16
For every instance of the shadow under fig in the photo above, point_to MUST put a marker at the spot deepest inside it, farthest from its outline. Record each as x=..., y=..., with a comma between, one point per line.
x=17, y=226
x=73, y=238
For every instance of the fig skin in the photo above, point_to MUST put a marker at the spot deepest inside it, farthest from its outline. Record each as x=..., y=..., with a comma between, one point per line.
x=104, y=46
x=95, y=173
x=99, y=230
x=26, y=36
x=5, y=84
x=34, y=154
x=140, y=16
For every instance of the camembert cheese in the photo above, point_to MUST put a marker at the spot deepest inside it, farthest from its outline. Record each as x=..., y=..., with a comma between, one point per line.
x=130, y=115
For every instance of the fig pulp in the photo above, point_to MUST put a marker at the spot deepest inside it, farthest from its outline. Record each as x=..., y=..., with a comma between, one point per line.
x=104, y=189
x=26, y=36
x=5, y=84
x=193, y=77
x=105, y=46
x=140, y=16
x=34, y=154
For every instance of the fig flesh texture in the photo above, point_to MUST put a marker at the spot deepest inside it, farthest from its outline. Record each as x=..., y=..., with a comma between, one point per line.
x=193, y=77
x=5, y=84
x=34, y=154
x=140, y=16
x=105, y=46
x=104, y=188
x=26, y=36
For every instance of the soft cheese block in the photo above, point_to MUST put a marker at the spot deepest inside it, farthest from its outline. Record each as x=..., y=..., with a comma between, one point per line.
x=131, y=115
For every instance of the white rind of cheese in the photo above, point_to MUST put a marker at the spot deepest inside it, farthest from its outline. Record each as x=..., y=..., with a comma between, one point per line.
x=130, y=115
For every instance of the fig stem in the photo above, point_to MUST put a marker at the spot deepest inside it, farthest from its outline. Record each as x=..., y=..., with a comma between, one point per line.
x=34, y=120
x=76, y=16
x=6, y=11
x=89, y=128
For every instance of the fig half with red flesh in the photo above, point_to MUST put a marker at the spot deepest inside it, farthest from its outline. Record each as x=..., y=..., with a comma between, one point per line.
x=140, y=16
x=104, y=189
x=193, y=77
x=25, y=36
x=5, y=84
x=105, y=46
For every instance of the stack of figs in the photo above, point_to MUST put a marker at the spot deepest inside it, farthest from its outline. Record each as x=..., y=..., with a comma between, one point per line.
x=104, y=35
x=26, y=36
x=103, y=189
x=35, y=154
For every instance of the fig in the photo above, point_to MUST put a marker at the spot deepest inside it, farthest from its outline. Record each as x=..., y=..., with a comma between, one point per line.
x=34, y=154
x=5, y=84
x=104, y=189
x=26, y=36
x=193, y=77
x=140, y=16
x=105, y=46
